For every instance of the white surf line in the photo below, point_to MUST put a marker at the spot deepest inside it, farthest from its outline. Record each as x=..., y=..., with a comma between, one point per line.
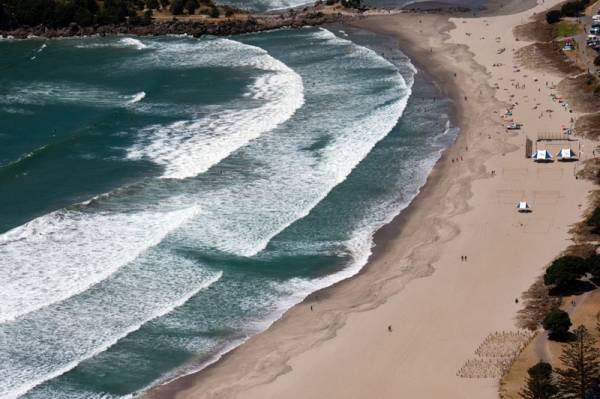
x=28, y=386
x=19, y=297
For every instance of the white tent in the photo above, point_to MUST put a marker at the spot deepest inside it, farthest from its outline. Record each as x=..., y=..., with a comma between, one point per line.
x=541, y=154
x=523, y=205
x=566, y=153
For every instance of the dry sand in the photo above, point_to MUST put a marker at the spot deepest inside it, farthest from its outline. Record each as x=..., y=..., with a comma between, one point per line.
x=440, y=308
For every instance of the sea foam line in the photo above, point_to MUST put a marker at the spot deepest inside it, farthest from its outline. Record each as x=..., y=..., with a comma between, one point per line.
x=189, y=148
x=56, y=240
x=26, y=387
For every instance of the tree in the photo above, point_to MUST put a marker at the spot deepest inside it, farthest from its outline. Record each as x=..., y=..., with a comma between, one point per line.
x=539, y=383
x=565, y=272
x=553, y=16
x=557, y=322
x=582, y=365
x=177, y=7
x=214, y=13
x=593, y=264
x=597, y=61
x=572, y=8
x=191, y=6
x=164, y=4
x=152, y=4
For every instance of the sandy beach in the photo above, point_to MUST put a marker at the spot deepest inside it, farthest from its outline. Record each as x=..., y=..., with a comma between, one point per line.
x=415, y=315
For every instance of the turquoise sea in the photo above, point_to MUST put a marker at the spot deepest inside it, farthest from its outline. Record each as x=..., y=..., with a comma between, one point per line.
x=162, y=199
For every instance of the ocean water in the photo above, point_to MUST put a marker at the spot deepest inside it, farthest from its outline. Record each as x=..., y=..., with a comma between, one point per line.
x=162, y=199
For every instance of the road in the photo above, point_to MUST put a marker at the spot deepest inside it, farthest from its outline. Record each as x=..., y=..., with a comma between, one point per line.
x=541, y=342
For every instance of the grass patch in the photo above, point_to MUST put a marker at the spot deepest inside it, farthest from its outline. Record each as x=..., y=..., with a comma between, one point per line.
x=569, y=28
x=514, y=379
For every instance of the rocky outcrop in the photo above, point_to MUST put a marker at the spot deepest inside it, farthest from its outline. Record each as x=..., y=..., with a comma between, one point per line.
x=196, y=28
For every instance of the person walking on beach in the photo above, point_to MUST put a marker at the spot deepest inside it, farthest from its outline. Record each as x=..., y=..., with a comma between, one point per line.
x=390, y=328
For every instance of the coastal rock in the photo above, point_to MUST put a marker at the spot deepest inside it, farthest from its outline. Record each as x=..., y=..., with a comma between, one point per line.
x=197, y=29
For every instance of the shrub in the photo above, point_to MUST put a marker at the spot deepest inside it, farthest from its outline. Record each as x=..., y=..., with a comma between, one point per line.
x=191, y=6
x=565, y=272
x=177, y=7
x=165, y=4
x=557, y=322
x=215, y=13
x=330, y=2
x=554, y=16
x=152, y=4
x=596, y=91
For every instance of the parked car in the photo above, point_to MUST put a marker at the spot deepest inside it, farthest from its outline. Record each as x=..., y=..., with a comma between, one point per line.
x=514, y=126
x=595, y=29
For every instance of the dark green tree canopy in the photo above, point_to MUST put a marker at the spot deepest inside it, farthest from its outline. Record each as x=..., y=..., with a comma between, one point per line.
x=539, y=383
x=565, y=272
x=573, y=8
x=557, y=322
x=582, y=367
x=553, y=16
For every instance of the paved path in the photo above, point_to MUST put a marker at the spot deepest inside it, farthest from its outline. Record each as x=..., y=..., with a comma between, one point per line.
x=541, y=342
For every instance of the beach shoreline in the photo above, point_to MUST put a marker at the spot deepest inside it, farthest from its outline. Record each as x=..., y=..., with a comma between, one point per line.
x=305, y=346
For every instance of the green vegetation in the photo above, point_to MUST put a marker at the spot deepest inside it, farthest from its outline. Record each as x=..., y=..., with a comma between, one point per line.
x=61, y=13
x=597, y=61
x=558, y=323
x=350, y=3
x=554, y=16
x=567, y=28
x=573, y=8
x=564, y=273
x=177, y=7
x=539, y=383
x=580, y=377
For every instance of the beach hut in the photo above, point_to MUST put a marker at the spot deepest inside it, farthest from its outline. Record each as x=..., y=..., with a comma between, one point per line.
x=541, y=154
x=566, y=153
x=523, y=206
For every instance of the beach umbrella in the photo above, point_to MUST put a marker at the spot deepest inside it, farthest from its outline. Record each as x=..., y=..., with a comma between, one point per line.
x=541, y=154
x=566, y=153
x=523, y=205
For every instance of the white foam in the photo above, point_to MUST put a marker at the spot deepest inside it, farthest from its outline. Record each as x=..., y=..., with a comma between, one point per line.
x=130, y=41
x=244, y=218
x=62, y=93
x=122, y=43
x=41, y=48
x=137, y=98
x=45, y=345
x=188, y=148
x=74, y=250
